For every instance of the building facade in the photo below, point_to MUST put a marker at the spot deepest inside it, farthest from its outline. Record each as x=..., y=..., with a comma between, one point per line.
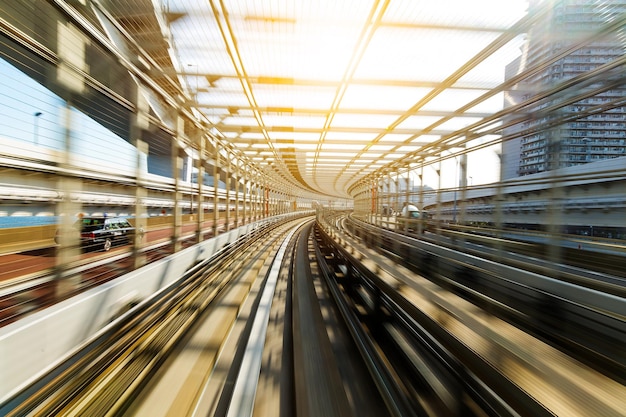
x=569, y=123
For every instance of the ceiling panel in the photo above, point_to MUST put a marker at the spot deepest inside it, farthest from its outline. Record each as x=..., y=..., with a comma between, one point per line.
x=321, y=92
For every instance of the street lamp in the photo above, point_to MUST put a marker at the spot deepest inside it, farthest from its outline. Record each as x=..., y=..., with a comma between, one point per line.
x=36, y=128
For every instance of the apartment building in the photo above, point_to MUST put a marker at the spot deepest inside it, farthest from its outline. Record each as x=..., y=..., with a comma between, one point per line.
x=583, y=40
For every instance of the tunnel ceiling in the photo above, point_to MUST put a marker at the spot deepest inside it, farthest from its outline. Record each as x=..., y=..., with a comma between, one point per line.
x=324, y=92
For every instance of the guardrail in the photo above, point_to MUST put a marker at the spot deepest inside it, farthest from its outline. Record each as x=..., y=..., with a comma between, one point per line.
x=20, y=239
x=587, y=323
x=37, y=342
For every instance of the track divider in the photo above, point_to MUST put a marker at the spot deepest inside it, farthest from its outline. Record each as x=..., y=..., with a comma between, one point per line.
x=244, y=393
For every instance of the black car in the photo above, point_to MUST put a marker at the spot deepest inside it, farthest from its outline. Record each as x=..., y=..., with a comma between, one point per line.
x=99, y=232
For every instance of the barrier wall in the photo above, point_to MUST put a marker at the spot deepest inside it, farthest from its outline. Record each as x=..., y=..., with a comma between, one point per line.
x=17, y=239
x=36, y=343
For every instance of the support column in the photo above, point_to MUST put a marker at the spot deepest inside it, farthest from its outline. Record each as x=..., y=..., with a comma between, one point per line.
x=200, y=203
x=407, y=197
x=256, y=197
x=439, y=220
x=554, y=209
x=498, y=214
x=253, y=197
x=177, y=163
x=396, y=196
x=380, y=200
x=237, y=200
x=216, y=184
x=228, y=184
x=69, y=248
x=140, y=122
x=141, y=224
x=245, y=197
x=71, y=47
x=264, y=199
x=374, y=202
x=258, y=207
x=268, y=200
x=269, y=210
x=388, y=199
x=463, y=185
x=421, y=226
x=408, y=185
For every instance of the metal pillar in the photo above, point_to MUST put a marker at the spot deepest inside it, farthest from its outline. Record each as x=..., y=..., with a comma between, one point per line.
x=69, y=249
x=463, y=186
x=200, y=202
x=438, y=221
x=216, y=183
x=237, y=179
x=498, y=214
x=139, y=123
x=245, y=197
x=177, y=163
x=421, y=225
x=141, y=225
x=227, y=181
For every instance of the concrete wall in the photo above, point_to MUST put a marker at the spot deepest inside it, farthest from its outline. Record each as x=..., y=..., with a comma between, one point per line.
x=39, y=341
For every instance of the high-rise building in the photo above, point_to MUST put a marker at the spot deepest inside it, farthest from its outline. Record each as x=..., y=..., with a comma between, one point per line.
x=569, y=125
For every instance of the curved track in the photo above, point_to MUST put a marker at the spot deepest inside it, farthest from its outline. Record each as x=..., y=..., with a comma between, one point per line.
x=471, y=346
x=119, y=371
x=585, y=322
x=303, y=320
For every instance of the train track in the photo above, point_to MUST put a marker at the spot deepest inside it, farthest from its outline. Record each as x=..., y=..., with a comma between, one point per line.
x=298, y=322
x=420, y=369
x=252, y=324
x=597, y=265
x=116, y=371
x=459, y=349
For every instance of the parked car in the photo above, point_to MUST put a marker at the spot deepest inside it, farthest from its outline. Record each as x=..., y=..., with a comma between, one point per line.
x=99, y=232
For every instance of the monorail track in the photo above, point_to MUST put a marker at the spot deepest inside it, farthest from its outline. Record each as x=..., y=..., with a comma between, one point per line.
x=587, y=323
x=489, y=364
x=116, y=372
x=293, y=322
